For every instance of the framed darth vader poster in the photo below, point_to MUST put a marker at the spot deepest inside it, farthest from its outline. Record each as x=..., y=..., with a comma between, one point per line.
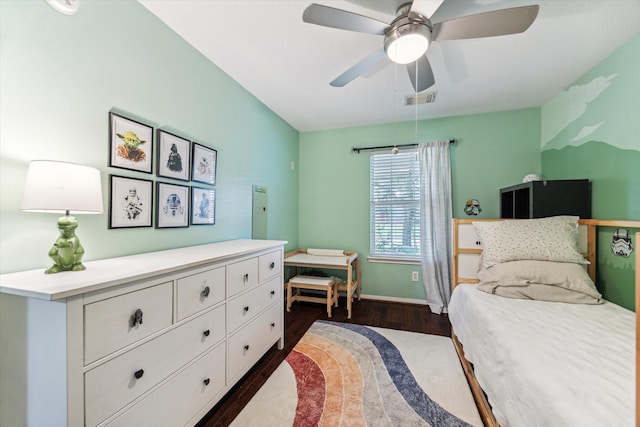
x=174, y=156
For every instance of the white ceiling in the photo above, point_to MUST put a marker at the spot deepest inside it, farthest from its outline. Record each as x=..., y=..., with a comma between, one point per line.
x=288, y=64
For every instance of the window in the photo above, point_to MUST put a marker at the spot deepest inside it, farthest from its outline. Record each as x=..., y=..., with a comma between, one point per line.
x=395, y=206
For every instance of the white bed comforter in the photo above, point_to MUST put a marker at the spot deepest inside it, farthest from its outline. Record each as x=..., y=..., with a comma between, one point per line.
x=547, y=363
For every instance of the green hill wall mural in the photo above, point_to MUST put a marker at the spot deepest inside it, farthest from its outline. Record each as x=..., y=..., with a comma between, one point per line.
x=592, y=130
x=614, y=175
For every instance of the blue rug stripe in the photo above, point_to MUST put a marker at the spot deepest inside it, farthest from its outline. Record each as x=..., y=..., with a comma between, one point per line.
x=404, y=381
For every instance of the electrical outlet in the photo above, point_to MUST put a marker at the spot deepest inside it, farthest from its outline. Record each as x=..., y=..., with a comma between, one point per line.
x=414, y=276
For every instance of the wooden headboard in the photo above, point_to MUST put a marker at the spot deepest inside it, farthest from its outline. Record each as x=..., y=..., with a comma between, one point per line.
x=467, y=247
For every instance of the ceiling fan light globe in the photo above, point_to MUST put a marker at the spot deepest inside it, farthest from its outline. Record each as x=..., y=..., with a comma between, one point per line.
x=407, y=43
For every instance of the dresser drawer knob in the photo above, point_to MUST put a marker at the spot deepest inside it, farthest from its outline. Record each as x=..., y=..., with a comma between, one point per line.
x=206, y=333
x=136, y=318
x=246, y=277
x=206, y=291
x=139, y=373
x=273, y=324
x=272, y=293
x=246, y=308
x=246, y=347
x=272, y=265
x=206, y=381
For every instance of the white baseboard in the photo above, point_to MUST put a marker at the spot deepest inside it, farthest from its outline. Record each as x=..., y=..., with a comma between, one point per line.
x=374, y=297
x=394, y=299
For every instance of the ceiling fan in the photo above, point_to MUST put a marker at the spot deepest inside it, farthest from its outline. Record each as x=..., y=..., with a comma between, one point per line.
x=408, y=36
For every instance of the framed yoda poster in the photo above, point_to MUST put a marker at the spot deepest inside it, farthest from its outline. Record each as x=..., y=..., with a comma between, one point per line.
x=131, y=144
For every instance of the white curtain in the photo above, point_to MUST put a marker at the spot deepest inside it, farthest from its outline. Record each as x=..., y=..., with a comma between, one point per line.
x=435, y=223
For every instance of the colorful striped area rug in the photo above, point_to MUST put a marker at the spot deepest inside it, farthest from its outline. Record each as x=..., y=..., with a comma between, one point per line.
x=341, y=374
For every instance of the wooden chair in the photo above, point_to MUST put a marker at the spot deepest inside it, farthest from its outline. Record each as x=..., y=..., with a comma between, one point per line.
x=325, y=284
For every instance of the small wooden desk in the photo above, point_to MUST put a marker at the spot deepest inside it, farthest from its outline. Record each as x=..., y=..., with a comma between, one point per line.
x=349, y=261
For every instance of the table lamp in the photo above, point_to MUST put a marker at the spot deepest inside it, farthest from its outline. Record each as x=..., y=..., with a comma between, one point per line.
x=67, y=188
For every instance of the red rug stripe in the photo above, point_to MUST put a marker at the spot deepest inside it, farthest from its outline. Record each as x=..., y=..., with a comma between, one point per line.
x=343, y=379
x=311, y=389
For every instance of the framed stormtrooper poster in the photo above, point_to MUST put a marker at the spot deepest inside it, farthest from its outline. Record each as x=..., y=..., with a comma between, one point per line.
x=130, y=202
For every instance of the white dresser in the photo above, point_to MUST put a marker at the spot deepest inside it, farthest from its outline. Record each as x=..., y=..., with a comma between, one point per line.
x=150, y=339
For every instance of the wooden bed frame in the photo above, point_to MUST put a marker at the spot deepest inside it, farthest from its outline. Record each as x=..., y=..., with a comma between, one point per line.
x=466, y=253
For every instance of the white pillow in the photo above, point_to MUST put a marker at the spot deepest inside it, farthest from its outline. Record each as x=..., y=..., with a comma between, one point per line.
x=540, y=280
x=544, y=239
x=325, y=252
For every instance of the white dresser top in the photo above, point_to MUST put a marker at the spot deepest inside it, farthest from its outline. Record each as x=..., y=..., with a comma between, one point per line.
x=105, y=273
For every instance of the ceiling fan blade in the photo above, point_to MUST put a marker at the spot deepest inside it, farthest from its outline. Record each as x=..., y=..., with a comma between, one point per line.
x=425, y=8
x=343, y=20
x=358, y=69
x=423, y=78
x=488, y=24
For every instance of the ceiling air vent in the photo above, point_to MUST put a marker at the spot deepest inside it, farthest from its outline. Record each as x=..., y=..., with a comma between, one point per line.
x=421, y=98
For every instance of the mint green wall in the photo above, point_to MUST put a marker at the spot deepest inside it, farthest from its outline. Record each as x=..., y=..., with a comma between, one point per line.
x=61, y=75
x=592, y=130
x=493, y=150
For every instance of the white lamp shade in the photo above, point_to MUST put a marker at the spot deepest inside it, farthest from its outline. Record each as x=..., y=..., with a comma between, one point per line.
x=58, y=187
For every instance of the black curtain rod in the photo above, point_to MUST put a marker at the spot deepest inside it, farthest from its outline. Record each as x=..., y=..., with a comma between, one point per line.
x=382, y=147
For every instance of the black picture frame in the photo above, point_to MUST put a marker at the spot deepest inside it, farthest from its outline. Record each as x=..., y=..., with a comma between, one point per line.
x=172, y=206
x=130, y=202
x=204, y=164
x=130, y=144
x=174, y=156
x=203, y=206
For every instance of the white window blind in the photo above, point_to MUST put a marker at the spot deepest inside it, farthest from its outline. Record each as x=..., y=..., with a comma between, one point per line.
x=395, y=205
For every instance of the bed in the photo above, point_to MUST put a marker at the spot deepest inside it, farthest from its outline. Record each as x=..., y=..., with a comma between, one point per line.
x=534, y=362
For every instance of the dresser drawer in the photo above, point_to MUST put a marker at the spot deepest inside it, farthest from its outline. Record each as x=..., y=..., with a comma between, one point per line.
x=175, y=403
x=250, y=342
x=200, y=291
x=270, y=265
x=248, y=305
x=110, y=324
x=114, y=384
x=242, y=275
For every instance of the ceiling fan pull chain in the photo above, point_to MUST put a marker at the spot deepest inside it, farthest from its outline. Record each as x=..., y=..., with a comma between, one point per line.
x=416, y=106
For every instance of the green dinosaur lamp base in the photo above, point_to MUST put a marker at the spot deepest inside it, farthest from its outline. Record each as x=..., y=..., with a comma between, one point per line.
x=67, y=251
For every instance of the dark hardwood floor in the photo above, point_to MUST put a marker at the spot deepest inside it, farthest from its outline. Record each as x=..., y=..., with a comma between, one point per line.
x=408, y=317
